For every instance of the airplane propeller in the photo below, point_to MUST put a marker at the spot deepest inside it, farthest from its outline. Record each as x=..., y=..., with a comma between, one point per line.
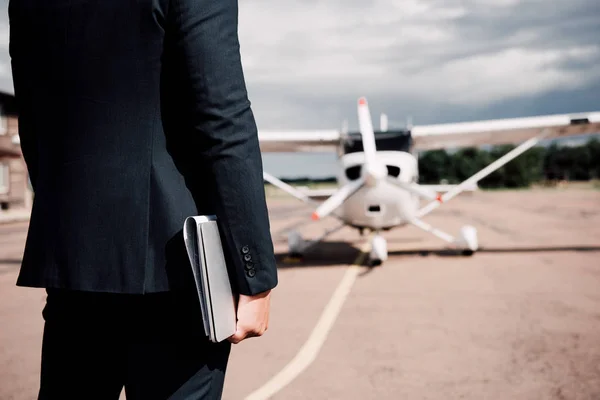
x=366, y=131
x=337, y=198
x=373, y=170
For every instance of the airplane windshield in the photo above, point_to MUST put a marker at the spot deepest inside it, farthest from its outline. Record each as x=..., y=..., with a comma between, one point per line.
x=384, y=141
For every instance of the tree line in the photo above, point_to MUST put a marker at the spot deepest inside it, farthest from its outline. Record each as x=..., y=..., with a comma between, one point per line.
x=537, y=165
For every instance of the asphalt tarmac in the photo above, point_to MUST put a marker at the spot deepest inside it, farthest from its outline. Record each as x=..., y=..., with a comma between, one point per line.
x=520, y=319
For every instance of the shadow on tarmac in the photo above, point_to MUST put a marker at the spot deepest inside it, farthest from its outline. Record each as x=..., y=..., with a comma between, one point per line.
x=344, y=253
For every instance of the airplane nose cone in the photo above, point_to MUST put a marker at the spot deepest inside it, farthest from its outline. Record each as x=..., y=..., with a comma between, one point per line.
x=374, y=173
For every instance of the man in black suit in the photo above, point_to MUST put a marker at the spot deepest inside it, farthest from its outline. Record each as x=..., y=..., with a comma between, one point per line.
x=134, y=115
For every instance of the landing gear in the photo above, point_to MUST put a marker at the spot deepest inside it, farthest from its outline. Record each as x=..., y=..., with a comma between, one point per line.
x=378, y=252
x=467, y=239
x=296, y=245
x=466, y=242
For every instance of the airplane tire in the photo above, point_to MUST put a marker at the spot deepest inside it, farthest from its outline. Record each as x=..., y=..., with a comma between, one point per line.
x=375, y=262
x=467, y=252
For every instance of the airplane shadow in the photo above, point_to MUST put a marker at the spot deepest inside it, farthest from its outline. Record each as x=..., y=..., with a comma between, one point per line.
x=9, y=265
x=10, y=261
x=323, y=254
x=510, y=249
x=344, y=253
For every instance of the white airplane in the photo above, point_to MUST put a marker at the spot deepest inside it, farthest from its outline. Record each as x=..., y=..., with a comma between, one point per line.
x=378, y=173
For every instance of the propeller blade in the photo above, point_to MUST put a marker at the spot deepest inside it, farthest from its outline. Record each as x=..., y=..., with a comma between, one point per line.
x=374, y=171
x=287, y=188
x=417, y=189
x=366, y=130
x=337, y=199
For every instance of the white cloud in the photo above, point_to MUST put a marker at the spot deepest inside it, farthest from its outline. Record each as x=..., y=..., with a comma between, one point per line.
x=324, y=41
x=483, y=79
x=496, y=3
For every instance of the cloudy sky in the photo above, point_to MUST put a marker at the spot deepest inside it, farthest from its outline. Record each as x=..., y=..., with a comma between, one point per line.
x=437, y=60
x=307, y=61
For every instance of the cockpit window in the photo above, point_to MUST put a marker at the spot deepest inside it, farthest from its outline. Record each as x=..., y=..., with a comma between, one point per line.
x=384, y=141
x=393, y=170
x=353, y=173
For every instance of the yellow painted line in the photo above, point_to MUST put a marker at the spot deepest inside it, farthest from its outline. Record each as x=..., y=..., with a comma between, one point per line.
x=312, y=346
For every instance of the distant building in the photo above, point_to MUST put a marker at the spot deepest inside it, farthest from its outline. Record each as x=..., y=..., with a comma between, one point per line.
x=14, y=178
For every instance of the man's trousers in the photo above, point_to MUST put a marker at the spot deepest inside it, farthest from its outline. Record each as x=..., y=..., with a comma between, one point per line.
x=153, y=345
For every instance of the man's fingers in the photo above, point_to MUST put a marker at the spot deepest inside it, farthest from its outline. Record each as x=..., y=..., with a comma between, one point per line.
x=242, y=334
x=255, y=332
x=253, y=316
x=238, y=336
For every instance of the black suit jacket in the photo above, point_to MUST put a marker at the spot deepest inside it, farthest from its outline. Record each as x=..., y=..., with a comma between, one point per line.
x=134, y=115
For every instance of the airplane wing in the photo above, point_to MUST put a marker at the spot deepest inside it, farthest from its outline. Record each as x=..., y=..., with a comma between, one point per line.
x=317, y=193
x=503, y=131
x=442, y=188
x=299, y=141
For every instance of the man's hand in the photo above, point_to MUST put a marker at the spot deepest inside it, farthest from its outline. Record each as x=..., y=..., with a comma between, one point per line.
x=252, y=316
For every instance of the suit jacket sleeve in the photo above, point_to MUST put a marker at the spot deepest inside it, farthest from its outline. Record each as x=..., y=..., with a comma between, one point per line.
x=22, y=81
x=224, y=135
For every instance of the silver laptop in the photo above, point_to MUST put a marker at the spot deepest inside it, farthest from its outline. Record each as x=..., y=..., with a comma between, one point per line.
x=217, y=301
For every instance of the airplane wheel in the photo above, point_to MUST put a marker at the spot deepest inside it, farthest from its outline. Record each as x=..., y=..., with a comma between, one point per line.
x=375, y=262
x=467, y=252
x=295, y=245
x=378, y=250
